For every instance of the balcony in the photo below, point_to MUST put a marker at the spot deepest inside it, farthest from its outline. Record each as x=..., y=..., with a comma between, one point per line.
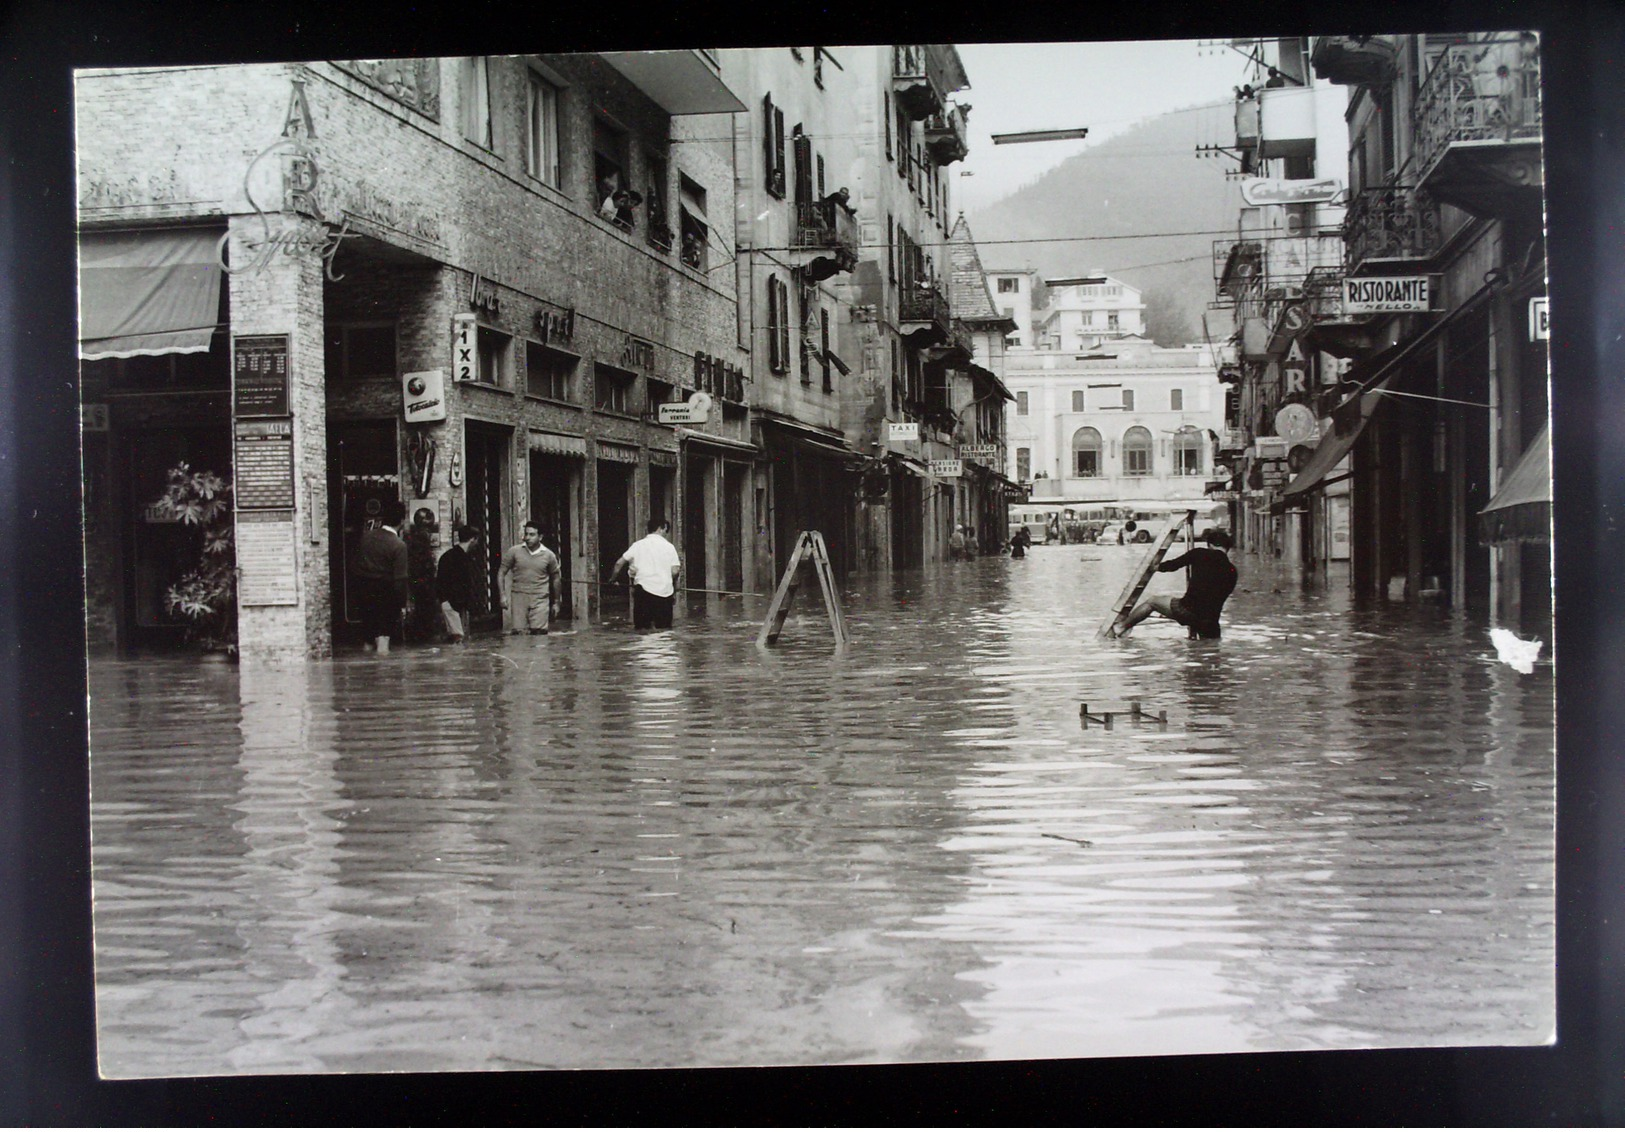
x=1286, y=122
x=957, y=348
x=923, y=312
x=1478, y=127
x=923, y=77
x=945, y=135
x=824, y=226
x=679, y=82
x=1354, y=60
x=1391, y=228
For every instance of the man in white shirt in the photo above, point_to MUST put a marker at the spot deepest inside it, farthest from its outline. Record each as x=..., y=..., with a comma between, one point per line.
x=653, y=567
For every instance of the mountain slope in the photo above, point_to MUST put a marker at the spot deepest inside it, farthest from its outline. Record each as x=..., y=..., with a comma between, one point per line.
x=1121, y=195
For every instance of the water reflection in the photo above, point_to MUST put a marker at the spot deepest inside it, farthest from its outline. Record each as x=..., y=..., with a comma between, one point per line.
x=604, y=848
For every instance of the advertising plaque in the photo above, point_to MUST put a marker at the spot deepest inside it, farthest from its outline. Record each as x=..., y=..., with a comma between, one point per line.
x=267, y=572
x=947, y=469
x=264, y=465
x=981, y=453
x=1540, y=329
x=903, y=430
x=1386, y=294
x=259, y=375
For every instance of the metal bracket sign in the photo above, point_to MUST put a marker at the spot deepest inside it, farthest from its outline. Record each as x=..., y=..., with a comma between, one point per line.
x=1540, y=328
x=264, y=465
x=259, y=375
x=1389, y=294
x=903, y=430
x=465, y=362
x=981, y=453
x=947, y=469
x=696, y=410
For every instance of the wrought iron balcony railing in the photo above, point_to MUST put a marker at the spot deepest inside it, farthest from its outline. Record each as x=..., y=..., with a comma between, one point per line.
x=1396, y=223
x=945, y=135
x=923, y=301
x=824, y=224
x=1487, y=91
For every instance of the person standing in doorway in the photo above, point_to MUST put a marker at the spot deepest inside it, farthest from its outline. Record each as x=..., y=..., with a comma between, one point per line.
x=956, y=544
x=529, y=578
x=454, y=582
x=380, y=577
x=1212, y=579
x=421, y=539
x=653, y=565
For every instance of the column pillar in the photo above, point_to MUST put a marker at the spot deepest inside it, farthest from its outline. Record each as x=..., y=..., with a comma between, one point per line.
x=284, y=605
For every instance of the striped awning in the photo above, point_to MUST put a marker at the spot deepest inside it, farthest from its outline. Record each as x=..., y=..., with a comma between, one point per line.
x=558, y=444
x=148, y=293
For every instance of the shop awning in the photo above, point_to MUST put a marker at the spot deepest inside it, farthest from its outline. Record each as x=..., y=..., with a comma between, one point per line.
x=146, y=293
x=619, y=453
x=713, y=440
x=558, y=444
x=1348, y=421
x=1521, y=510
x=909, y=464
x=826, y=443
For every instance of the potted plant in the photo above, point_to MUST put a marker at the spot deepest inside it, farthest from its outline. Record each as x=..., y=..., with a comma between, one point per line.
x=206, y=597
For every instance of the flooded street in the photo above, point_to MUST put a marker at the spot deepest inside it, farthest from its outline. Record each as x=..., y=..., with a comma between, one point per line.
x=606, y=849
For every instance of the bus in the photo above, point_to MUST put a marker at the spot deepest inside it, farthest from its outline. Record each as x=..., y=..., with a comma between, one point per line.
x=1084, y=521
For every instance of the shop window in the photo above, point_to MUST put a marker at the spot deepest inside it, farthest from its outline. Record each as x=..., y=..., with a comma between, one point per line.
x=1024, y=464
x=1086, y=453
x=494, y=348
x=1077, y=400
x=1021, y=403
x=355, y=351
x=549, y=373
x=1136, y=451
x=1176, y=400
x=612, y=389
x=696, y=231
x=542, y=129
x=143, y=374
x=1128, y=400
x=474, y=91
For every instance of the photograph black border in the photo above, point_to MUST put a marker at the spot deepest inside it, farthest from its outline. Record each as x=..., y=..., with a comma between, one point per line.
x=47, y=1021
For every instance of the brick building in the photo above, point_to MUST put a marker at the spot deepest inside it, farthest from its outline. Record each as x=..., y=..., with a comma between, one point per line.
x=464, y=283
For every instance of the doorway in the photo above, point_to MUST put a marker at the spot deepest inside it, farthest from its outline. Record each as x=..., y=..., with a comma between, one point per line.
x=614, y=526
x=486, y=450
x=363, y=468
x=694, y=516
x=552, y=490
x=735, y=476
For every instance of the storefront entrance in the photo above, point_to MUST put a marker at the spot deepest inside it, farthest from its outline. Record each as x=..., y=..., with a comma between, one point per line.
x=362, y=475
x=485, y=449
x=614, y=527
x=554, y=483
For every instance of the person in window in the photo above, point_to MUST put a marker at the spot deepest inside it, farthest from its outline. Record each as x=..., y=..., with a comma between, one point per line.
x=1212, y=580
x=454, y=582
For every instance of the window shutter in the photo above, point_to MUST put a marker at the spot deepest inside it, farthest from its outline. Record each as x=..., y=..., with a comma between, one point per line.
x=769, y=163
x=784, y=324
x=886, y=118
x=820, y=176
x=773, y=323
x=804, y=173
x=778, y=152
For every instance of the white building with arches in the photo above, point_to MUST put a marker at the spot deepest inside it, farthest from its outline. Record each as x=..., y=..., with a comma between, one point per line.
x=1127, y=421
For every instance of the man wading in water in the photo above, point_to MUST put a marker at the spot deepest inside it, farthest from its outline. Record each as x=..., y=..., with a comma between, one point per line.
x=1213, y=577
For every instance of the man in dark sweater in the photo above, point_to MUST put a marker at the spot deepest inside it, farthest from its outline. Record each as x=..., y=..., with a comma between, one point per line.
x=379, y=575
x=454, y=583
x=1212, y=579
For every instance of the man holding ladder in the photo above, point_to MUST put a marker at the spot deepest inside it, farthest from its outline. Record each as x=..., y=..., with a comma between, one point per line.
x=1212, y=579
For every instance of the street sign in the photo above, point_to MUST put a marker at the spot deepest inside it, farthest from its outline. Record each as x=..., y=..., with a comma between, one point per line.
x=696, y=410
x=903, y=430
x=947, y=469
x=1540, y=329
x=1386, y=294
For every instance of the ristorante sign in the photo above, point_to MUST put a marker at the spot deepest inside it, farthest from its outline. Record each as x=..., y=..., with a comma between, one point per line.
x=1388, y=294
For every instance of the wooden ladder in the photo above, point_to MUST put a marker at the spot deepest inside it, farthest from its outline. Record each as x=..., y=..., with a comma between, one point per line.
x=1142, y=578
x=809, y=549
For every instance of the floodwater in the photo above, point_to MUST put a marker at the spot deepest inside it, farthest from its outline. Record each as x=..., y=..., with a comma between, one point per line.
x=607, y=849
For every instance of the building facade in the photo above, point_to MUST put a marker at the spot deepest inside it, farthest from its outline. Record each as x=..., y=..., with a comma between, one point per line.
x=1085, y=312
x=467, y=284
x=1128, y=422
x=1421, y=343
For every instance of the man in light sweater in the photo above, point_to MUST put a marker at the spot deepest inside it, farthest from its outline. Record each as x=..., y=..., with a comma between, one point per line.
x=529, y=577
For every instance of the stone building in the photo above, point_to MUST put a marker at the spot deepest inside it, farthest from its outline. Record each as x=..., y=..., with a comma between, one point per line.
x=464, y=283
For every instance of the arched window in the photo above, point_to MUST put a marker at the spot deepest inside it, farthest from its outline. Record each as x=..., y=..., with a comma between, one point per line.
x=1137, y=452
x=1086, y=452
x=1187, y=452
